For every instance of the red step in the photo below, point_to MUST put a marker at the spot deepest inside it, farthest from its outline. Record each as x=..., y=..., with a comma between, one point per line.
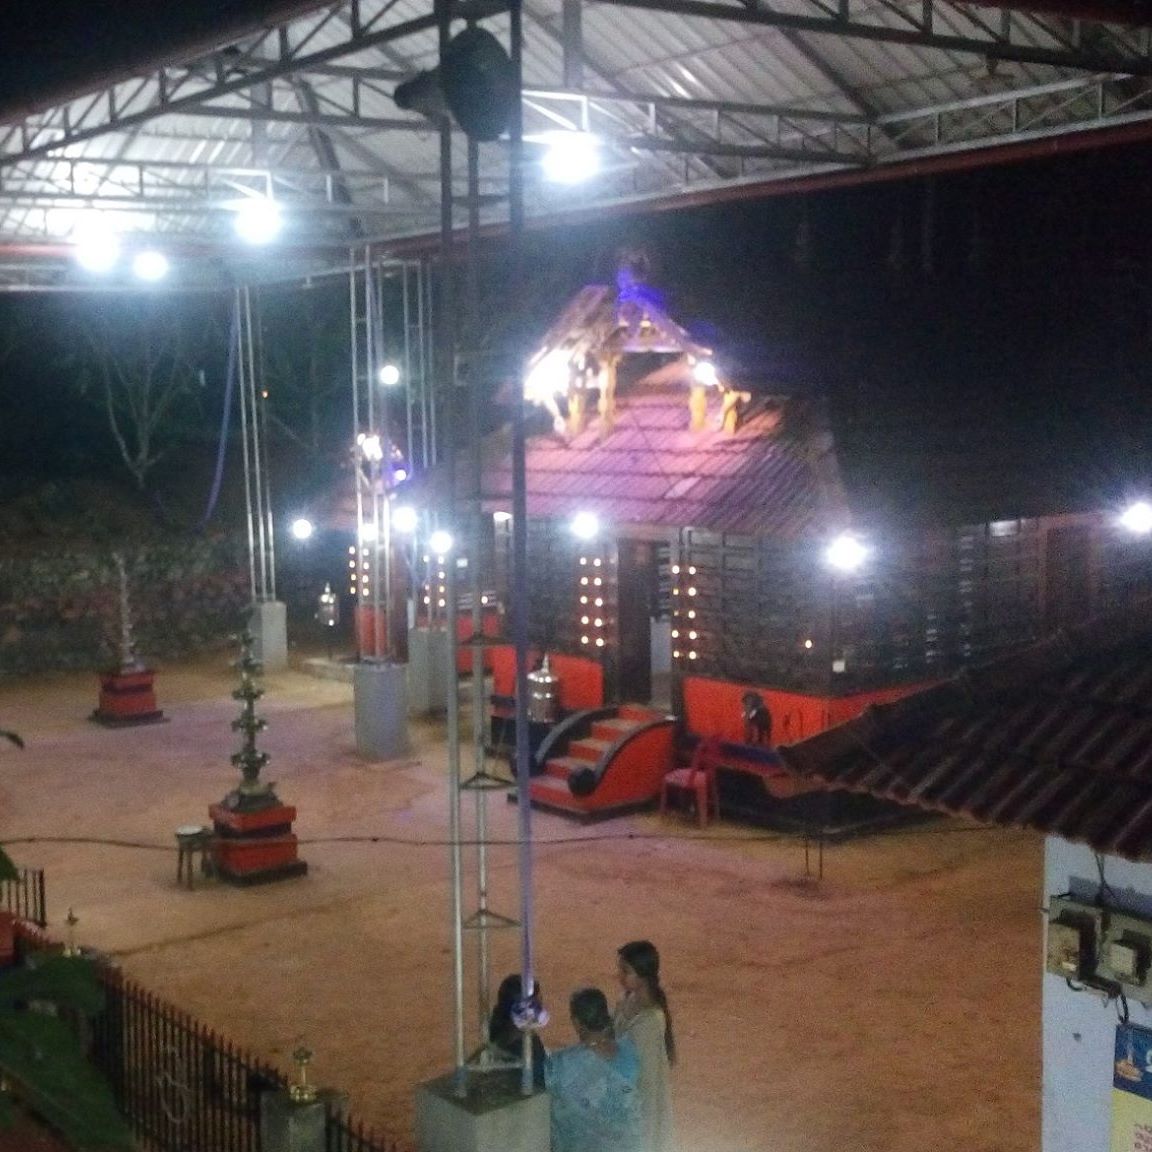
x=639, y=713
x=613, y=729
x=551, y=792
x=561, y=767
x=588, y=749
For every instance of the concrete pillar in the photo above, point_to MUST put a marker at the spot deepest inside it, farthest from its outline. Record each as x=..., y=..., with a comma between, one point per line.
x=493, y=1117
x=380, y=698
x=268, y=623
x=288, y=1125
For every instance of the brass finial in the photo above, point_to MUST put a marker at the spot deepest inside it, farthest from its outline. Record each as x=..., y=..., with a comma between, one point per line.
x=302, y=1092
x=71, y=948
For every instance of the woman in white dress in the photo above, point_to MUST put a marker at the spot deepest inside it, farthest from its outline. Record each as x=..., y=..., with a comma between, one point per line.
x=643, y=1015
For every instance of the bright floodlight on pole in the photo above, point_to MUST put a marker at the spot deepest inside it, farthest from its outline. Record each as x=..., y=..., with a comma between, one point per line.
x=302, y=528
x=97, y=245
x=584, y=525
x=371, y=447
x=389, y=375
x=150, y=265
x=570, y=157
x=440, y=542
x=405, y=518
x=1137, y=518
x=258, y=220
x=845, y=553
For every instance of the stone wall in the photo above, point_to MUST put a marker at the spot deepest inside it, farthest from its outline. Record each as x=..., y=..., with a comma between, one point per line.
x=60, y=607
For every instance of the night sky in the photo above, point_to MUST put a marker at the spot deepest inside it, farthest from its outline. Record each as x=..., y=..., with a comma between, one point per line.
x=42, y=59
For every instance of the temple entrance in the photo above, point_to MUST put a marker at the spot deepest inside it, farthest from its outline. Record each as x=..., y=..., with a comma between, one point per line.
x=636, y=598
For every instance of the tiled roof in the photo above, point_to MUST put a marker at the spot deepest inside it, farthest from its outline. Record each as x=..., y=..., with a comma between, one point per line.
x=1056, y=738
x=768, y=477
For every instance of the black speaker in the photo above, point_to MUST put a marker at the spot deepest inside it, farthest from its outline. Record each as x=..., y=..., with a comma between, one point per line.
x=474, y=83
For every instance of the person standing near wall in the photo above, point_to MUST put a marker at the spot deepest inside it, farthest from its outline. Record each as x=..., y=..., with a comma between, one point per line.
x=643, y=1015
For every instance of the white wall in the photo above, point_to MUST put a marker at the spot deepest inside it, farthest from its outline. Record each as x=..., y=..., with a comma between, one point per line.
x=1080, y=1027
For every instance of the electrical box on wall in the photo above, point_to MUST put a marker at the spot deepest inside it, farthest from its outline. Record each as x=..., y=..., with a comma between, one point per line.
x=1073, y=938
x=1104, y=949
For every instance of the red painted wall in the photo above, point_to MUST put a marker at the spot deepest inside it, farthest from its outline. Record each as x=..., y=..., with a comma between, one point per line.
x=713, y=708
x=581, y=679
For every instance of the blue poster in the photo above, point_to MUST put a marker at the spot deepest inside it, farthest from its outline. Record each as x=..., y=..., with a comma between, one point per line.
x=1132, y=1090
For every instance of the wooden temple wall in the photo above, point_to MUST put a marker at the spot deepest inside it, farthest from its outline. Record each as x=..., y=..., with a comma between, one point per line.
x=768, y=612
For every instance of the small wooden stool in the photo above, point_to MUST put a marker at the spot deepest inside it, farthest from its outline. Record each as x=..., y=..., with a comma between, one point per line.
x=192, y=839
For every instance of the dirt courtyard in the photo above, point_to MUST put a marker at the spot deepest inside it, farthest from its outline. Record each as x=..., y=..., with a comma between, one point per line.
x=891, y=1007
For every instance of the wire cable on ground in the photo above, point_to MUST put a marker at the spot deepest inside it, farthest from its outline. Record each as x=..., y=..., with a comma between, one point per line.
x=766, y=837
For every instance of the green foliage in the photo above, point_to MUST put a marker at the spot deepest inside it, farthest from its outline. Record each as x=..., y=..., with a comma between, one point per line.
x=42, y=1056
x=40, y=1050
x=7, y=868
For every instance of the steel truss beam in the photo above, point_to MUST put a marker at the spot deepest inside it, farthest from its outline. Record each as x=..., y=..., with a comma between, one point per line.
x=199, y=87
x=989, y=39
x=277, y=52
x=688, y=143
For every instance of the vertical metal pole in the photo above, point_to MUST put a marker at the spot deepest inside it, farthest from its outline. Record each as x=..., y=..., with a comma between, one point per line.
x=406, y=305
x=483, y=975
x=377, y=468
x=431, y=449
x=356, y=457
x=520, y=552
x=446, y=378
x=242, y=393
x=254, y=431
x=261, y=402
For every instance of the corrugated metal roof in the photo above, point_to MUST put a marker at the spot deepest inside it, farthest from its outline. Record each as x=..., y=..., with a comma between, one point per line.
x=1056, y=738
x=685, y=99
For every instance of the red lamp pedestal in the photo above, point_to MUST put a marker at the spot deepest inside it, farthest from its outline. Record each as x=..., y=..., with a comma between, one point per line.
x=255, y=845
x=127, y=697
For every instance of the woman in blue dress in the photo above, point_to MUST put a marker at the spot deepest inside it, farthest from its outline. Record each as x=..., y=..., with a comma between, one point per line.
x=593, y=1084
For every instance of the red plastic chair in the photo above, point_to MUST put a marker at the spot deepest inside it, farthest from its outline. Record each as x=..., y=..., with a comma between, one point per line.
x=698, y=779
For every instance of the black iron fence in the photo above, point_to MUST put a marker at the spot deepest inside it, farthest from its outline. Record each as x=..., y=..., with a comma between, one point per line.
x=24, y=896
x=182, y=1086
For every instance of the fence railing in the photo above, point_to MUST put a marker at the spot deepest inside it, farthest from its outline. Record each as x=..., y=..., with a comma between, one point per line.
x=182, y=1086
x=24, y=896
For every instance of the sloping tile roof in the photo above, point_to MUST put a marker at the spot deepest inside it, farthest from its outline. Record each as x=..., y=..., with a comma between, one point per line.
x=1056, y=738
x=774, y=475
x=600, y=315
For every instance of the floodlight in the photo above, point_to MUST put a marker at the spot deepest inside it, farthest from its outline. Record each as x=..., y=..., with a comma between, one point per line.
x=302, y=528
x=584, y=525
x=845, y=553
x=368, y=532
x=150, y=265
x=501, y=517
x=704, y=372
x=405, y=518
x=389, y=375
x=1137, y=518
x=258, y=220
x=97, y=247
x=549, y=376
x=370, y=447
x=571, y=158
x=440, y=542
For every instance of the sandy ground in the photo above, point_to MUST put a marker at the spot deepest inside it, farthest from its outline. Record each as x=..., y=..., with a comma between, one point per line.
x=893, y=1005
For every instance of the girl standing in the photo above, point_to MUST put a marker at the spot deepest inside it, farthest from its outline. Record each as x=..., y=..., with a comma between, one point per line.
x=643, y=1015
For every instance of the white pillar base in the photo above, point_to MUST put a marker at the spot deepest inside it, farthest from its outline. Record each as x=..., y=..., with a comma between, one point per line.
x=380, y=696
x=429, y=671
x=494, y=1117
